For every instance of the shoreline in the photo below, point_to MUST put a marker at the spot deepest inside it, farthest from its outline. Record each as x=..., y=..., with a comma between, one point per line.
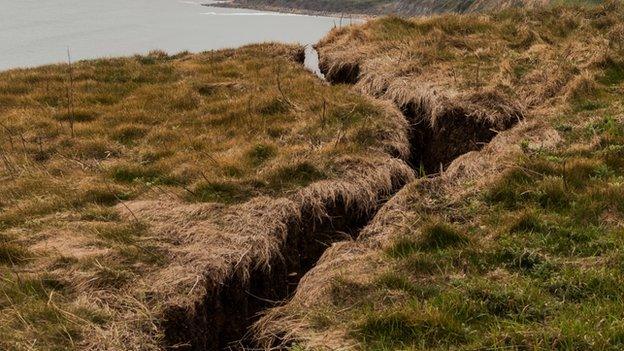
x=289, y=10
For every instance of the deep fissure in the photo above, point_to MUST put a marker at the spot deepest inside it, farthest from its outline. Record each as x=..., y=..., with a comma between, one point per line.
x=221, y=320
x=434, y=147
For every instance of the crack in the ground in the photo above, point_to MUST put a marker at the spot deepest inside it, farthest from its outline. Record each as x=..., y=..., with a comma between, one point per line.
x=223, y=318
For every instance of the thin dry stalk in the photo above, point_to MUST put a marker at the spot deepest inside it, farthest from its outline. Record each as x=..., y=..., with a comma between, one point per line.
x=70, y=92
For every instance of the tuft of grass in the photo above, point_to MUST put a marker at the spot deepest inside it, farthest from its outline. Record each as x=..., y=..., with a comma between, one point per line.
x=129, y=133
x=606, y=126
x=441, y=235
x=403, y=247
x=395, y=281
x=34, y=301
x=613, y=74
x=298, y=174
x=423, y=264
x=107, y=276
x=588, y=105
x=435, y=236
x=12, y=253
x=100, y=213
x=261, y=153
x=509, y=189
x=523, y=259
x=100, y=195
x=97, y=149
x=527, y=222
x=576, y=284
x=520, y=302
x=577, y=172
x=273, y=106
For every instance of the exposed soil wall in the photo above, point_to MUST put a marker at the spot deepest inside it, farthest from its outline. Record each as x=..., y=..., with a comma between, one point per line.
x=221, y=320
x=343, y=73
x=434, y=147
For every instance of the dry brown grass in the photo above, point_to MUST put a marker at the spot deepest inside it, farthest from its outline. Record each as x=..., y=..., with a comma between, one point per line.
x=150, y=179
x=453, y=60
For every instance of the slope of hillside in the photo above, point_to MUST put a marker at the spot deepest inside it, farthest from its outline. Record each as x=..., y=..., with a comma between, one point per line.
x=515, y=246
x=383, y=7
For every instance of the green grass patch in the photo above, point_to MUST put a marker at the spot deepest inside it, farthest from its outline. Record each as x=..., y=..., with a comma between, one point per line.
x=435, y=236
x=578, y=284
x=400, y=329
x=403, y=247
x=588, y=105
x=613, y=74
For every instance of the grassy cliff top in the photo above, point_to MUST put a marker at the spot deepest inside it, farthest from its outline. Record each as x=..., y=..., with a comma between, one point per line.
x=83, y=145
x=131, y=187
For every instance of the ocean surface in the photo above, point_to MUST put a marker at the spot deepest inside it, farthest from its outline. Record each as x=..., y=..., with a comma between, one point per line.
x=36, y=32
